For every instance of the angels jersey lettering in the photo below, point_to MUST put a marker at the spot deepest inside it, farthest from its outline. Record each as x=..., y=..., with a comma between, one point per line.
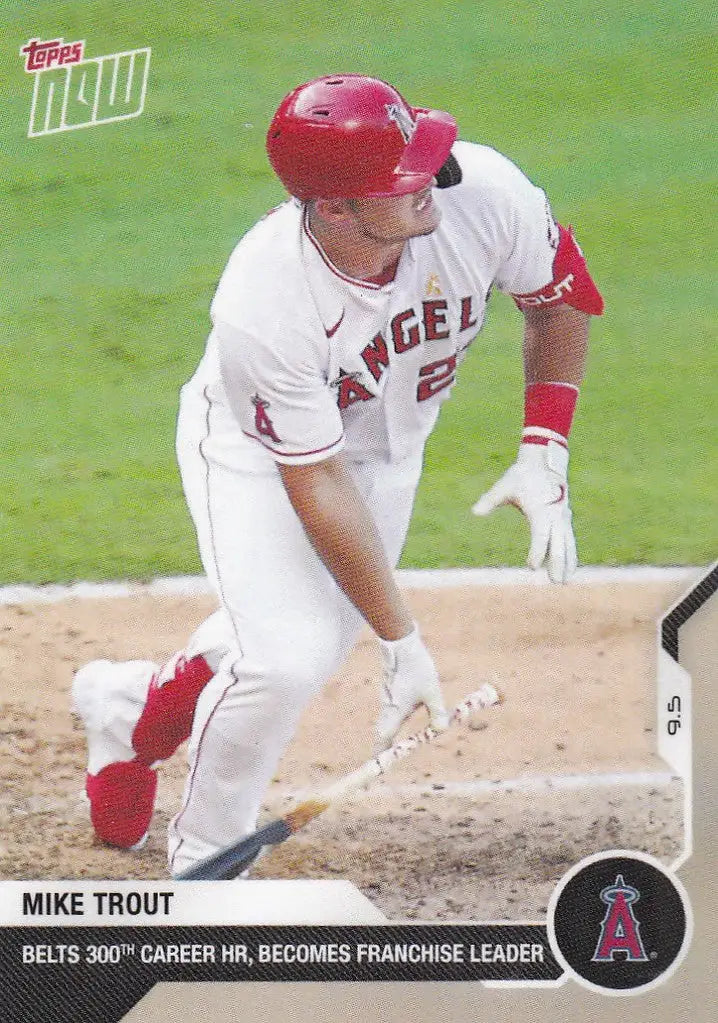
x=347, y=364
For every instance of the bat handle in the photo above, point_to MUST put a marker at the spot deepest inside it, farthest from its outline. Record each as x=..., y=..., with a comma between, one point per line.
x=226, y=864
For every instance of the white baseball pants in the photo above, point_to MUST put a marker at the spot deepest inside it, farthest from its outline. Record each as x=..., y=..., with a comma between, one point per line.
x=291, y=626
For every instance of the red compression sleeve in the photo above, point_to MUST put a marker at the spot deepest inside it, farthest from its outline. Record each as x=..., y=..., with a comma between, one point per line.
x=548, y=412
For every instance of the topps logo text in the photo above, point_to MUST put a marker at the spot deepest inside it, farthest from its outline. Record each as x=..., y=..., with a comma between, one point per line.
x=71, y=91
x=46, y=55
x=620, y=930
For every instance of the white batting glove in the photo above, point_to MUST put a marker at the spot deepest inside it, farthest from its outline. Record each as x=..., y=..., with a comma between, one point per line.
x=537, y=484
x=410, y=678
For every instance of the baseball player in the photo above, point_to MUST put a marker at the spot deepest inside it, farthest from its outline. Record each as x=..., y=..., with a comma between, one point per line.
x=338, y=329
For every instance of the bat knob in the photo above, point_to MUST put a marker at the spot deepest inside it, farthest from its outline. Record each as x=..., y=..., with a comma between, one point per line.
x=490, y=695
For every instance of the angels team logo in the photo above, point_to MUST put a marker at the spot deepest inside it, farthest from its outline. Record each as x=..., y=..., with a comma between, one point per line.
x=620, y=930
x=403, y=120
x=350, y=389
x=72, y=91
x=262, y=423
x=645, y=930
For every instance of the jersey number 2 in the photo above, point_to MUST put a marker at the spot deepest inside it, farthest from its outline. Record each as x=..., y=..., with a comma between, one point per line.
x=435, y=377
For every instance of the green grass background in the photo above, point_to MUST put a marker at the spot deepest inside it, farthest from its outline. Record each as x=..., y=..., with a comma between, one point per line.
x=115, y=236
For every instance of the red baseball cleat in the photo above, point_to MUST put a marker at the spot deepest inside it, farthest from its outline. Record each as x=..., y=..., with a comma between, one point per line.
x=110, y=698
x=122, y=801
x=135, y=716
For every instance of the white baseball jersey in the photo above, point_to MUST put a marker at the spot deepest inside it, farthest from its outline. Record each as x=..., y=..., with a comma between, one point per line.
x=304, y=361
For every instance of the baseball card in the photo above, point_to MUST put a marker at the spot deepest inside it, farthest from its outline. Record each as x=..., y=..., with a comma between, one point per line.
x=359, y=595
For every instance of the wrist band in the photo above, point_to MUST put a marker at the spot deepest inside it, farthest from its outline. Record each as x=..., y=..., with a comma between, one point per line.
x=548, y=412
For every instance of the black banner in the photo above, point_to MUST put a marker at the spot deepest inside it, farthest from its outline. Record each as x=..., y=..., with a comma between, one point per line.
x=97, y=974
x=691, y=603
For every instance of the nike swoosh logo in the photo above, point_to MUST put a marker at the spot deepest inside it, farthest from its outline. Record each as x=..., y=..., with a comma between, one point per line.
x=561, y=496
x=332, y=330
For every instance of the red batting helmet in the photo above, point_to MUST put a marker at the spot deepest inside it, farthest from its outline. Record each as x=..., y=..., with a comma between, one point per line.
x=350, y=136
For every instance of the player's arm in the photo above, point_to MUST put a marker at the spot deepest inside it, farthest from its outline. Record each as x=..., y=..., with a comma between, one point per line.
x=280, y=398
x=344, y=534
x=555, y=344
x=556, y=317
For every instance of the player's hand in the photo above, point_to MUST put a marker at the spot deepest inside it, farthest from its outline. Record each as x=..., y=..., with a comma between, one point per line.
x=537, y=484
x=410, y=679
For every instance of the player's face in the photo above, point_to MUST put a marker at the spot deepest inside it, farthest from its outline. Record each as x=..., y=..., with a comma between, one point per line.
x=390, y=219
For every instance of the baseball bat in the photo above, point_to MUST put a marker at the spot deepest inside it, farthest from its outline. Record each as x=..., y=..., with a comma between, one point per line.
x=230, y=862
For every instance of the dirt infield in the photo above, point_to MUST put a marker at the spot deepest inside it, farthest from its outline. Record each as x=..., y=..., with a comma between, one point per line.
x=576, y=666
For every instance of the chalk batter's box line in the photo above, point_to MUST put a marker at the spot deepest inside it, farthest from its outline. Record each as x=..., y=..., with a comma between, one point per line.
x=527, y=783
x=420, y=579
x=382, y=790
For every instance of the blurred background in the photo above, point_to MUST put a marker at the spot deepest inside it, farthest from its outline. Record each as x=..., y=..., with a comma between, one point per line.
x=115, y=237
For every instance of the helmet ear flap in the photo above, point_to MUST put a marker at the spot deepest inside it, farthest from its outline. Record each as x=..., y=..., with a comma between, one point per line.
x=449, y=173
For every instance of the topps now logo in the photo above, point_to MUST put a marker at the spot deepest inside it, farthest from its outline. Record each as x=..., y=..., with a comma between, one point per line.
x=619, y=922
x=71, y=91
